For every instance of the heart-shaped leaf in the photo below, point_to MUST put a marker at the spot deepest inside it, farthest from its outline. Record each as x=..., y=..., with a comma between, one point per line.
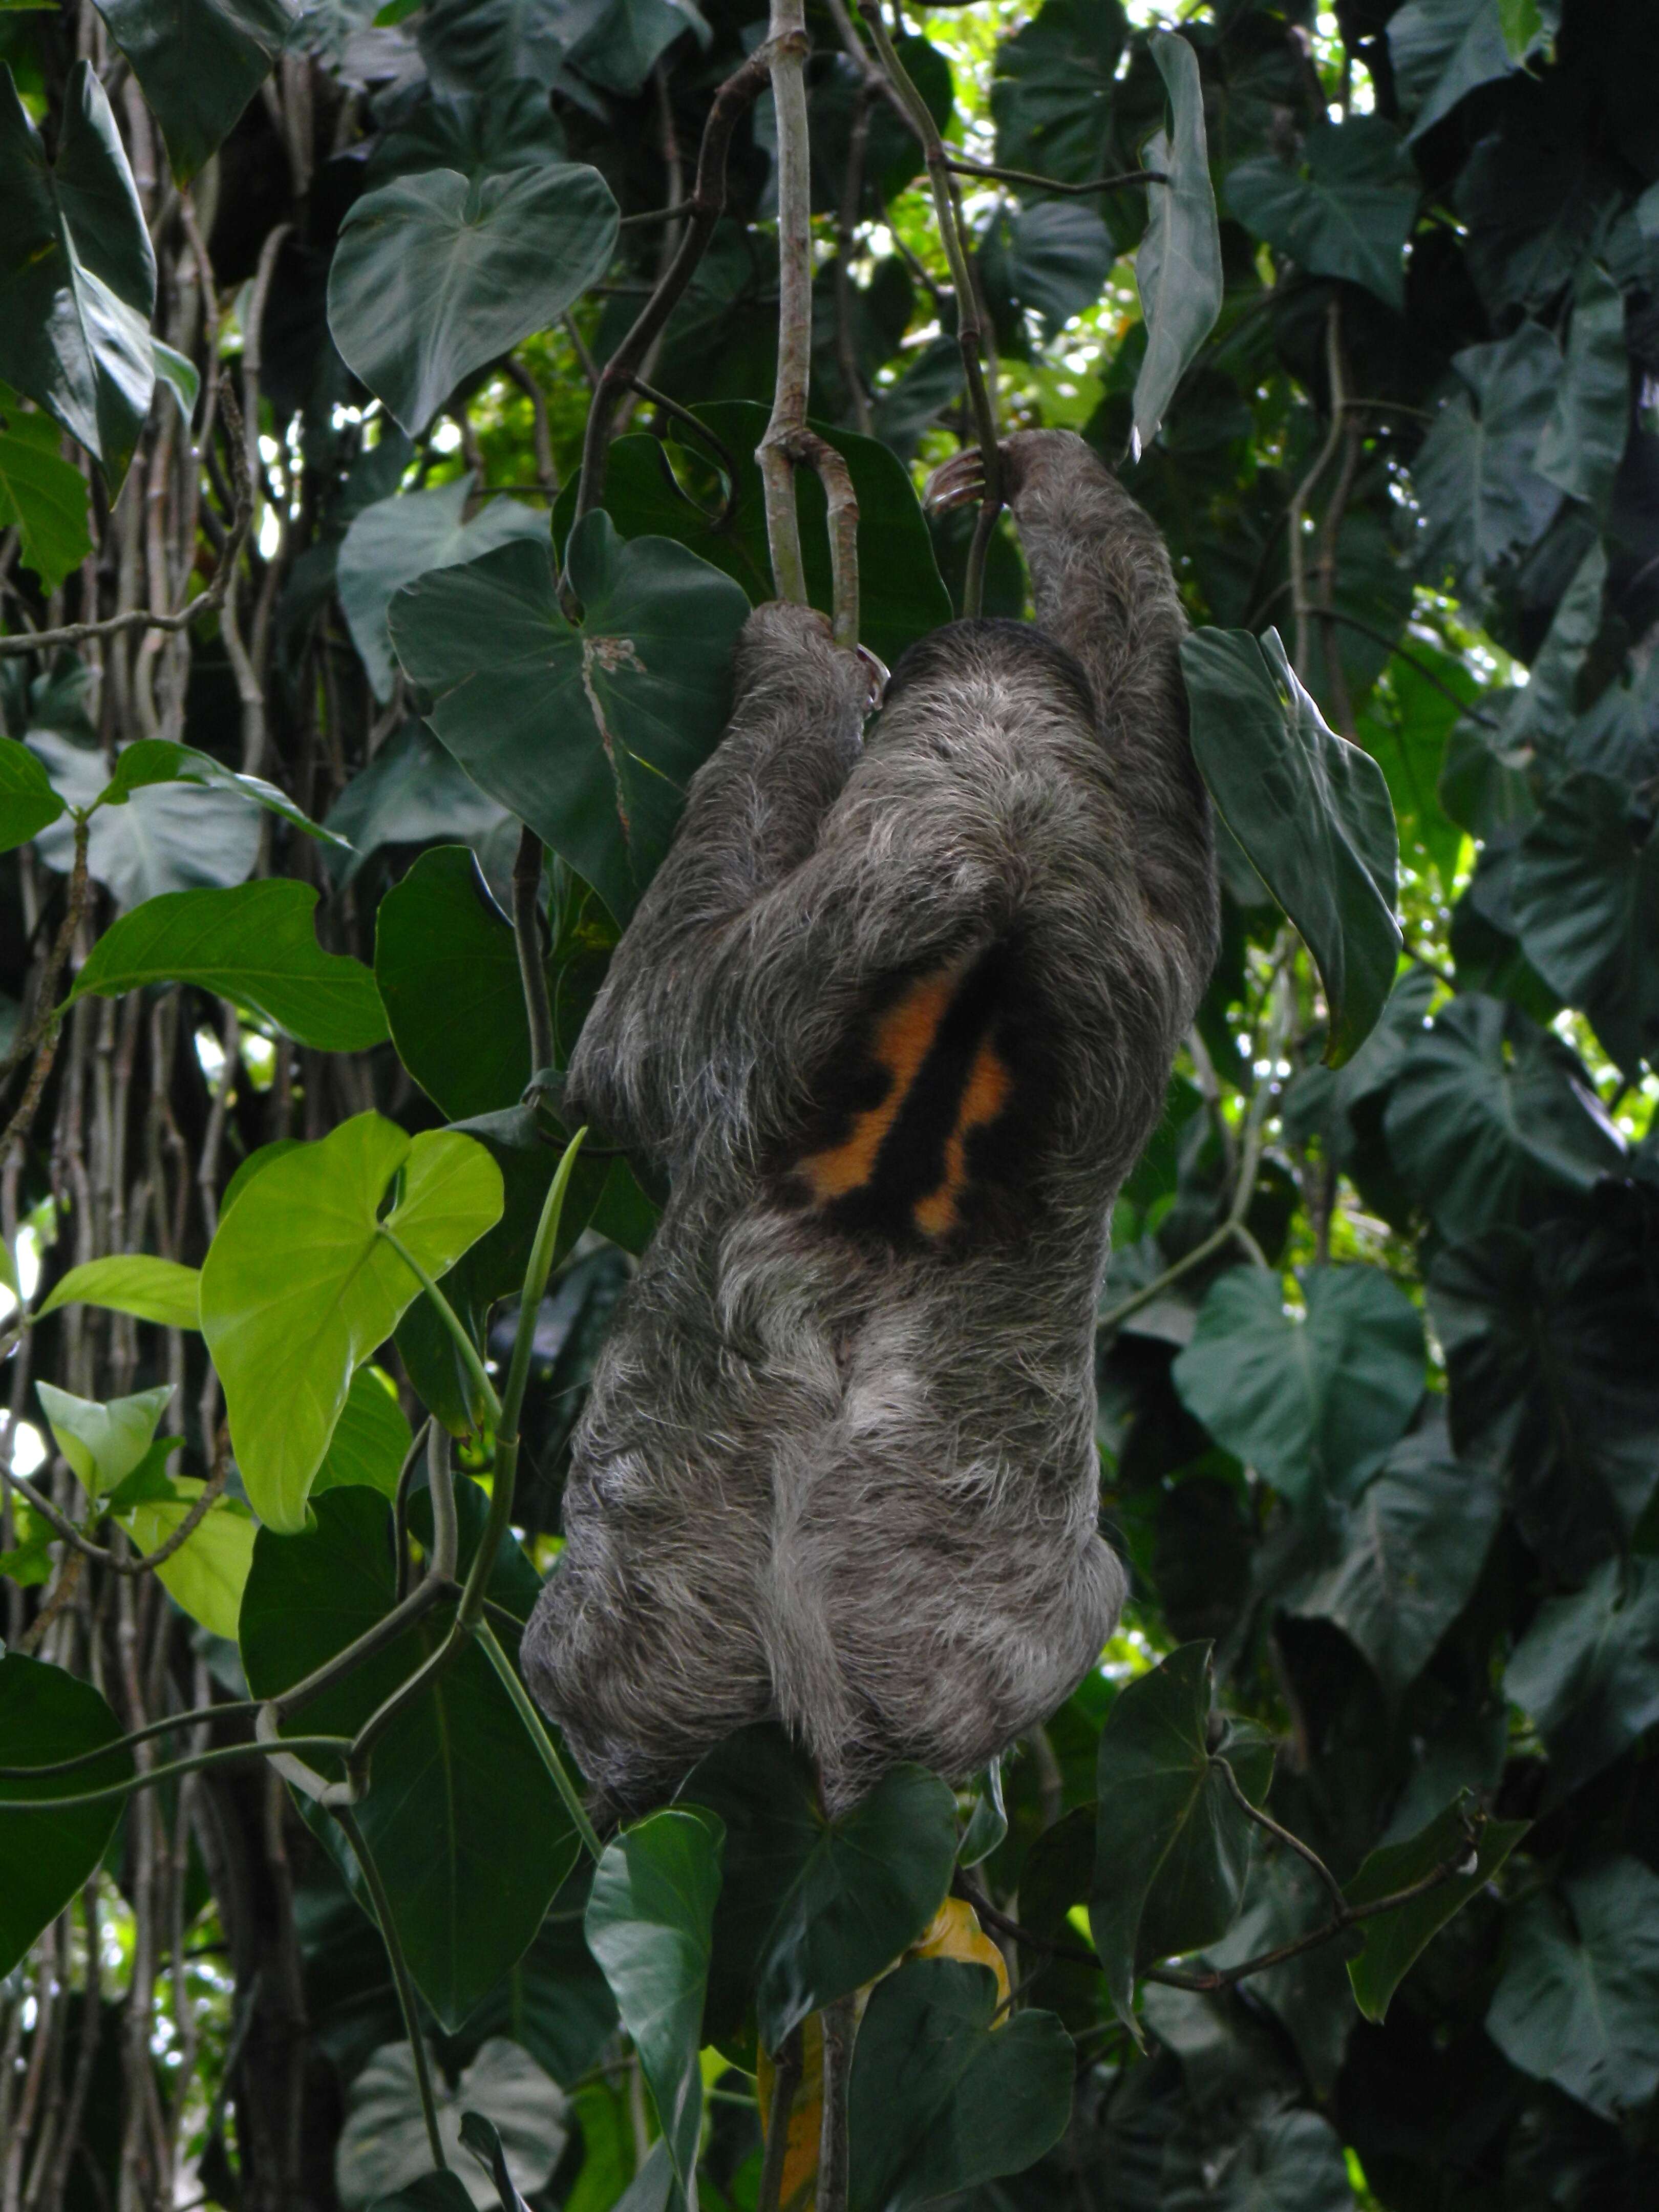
x=103, y=1444
x=434, y=275
x=813, y=1908
x=590, y=735
x=394, y=541
x=650, y=1923
x=77, y=272
x=1312, y=811
x=47, y=1715
x=150, y=760
x=384, y=2147
x=169, y=836
x=299, y=1286
x=942, y=2099
x=253, y=943
x=1475, y=474
x=1178, y=267
x=200, y=62
x=469, y=1834
x=1578, y=2004
x=1346, y=211
x=1316, y=1404
x=1172, y=1843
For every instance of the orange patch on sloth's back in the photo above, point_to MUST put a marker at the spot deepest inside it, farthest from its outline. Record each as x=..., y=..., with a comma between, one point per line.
x=904, y=1038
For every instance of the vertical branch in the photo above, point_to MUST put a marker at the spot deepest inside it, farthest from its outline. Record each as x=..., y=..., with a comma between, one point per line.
x=527, y=936
x=840, y=2026
x=774, y=454
x=1304, y=490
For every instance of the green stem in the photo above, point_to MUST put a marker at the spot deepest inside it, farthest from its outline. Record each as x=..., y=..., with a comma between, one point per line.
x=451, y=1320
x=241, y=1708
x=222, y=1757
x=400, y=1975
x=545, y=1744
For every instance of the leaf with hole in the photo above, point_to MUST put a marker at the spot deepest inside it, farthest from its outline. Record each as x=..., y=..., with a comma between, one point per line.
x=470, y=1835
x=77, y=272
x=590, y=735
x=45, y=1715
x=301, y=1287
x=252, y=943
x=1312, y=811
x=436, y=275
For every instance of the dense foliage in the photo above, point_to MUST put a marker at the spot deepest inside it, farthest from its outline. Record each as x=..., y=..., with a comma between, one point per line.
x=303, y=314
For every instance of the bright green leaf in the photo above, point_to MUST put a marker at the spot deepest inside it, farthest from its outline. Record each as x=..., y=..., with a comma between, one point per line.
x=1312, y=811
x=371, y=1439
x=103, y=1444
x=28, y=801
x=300, y=1287
x=589, y=735
x=132, y=1283
x=254, y=943
x=206, y=1575
x=151, y=761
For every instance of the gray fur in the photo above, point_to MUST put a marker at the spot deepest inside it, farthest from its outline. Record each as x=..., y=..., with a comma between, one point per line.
x=856, y=1489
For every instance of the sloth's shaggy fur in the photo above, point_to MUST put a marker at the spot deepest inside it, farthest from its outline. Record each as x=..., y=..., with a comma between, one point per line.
x=845, y=1479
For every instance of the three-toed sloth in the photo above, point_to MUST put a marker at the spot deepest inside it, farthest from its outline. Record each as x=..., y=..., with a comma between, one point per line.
x=896, y=1017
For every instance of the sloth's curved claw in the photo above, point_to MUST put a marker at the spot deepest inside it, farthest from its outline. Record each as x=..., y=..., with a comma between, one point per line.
x=959, y=482
x=876, y=673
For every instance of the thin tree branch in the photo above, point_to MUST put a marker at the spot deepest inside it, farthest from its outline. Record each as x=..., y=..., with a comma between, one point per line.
x=101, y=1554
x=527, y=937
x=788, y=47
x=964, y=166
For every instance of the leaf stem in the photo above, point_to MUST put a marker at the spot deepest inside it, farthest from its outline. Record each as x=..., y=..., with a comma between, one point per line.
x=451, y=1320
x=545, y=1746
x=352, y=1829
x=1265, y=1820
x=193, y=1763
x=528, y=937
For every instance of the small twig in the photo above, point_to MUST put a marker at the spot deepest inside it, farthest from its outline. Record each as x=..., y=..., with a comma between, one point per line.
x=527, y=937
x=100, y=1554
x=515, y=372
x=1262, y=1819
x=833, y=473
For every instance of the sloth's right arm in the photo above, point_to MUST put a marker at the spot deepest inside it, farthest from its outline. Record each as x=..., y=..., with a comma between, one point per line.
x=752, y=815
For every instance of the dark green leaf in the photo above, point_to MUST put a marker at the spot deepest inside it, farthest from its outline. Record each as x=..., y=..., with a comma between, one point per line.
x=1578, y=2004
x=148, y=762
x=1346, y=212
x=813, y=1908
x=77, y=273
x=1284, y=2162
x=1539, y=721
x=1586, y=908
x=1489, y=1109
x=1054, y=87
x=435, y=276
x=398, y=539
x=484, y=2139
x=1393, y=1940
x=1312, y=811
x=28, y=801
x=470, y=1835
x=254, y=943
x=512, y=128
x=433, y=2192
x=1314, y=1405
x=384, y=2146
x=638, y=695
x=1482, y=496
x=1587, y=1670
x=415, y=793
x=1549, y=1348
x=1172, y=1845
x=447, y=970
x=1310, y=1993
x=1442, y=50
x=42, y=495
x=1178, y=267
x=47, y=1715
x=200, y=62
x=650, y=1923
x=1412, y=1551
x=1584, y=440
x=487, y=46
x=940, y=2099
x=1052, y=259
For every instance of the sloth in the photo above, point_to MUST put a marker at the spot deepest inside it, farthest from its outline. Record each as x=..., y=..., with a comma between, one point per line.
x=895, y=1017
